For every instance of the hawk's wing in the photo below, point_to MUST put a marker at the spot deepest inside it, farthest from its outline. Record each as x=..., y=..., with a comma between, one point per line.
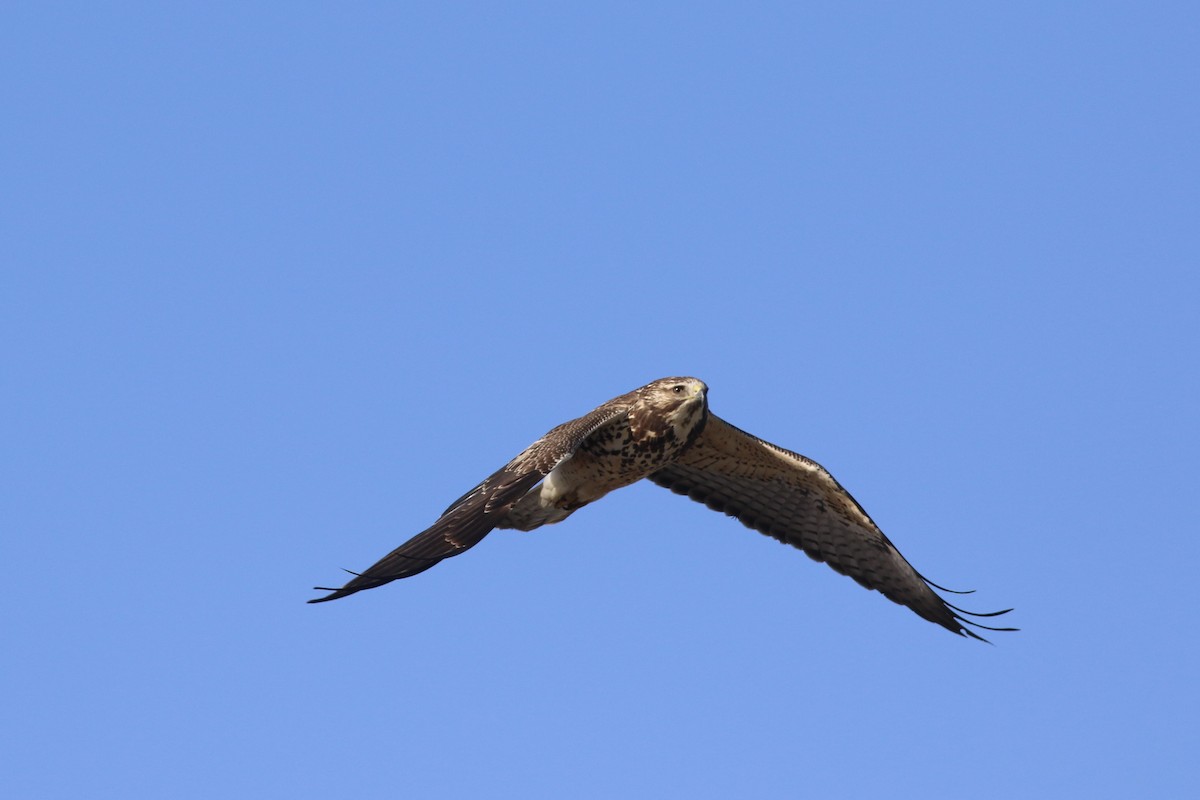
x=475, y=514
x=795, y=500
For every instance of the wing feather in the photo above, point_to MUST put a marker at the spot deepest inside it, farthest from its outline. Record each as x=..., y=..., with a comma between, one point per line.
x=795, y=500
x=476, y=513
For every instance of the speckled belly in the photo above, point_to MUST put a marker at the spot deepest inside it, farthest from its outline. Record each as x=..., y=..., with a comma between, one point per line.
x=609, y=459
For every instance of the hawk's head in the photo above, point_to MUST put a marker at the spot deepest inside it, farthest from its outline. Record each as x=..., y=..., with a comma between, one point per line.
x=676, y=404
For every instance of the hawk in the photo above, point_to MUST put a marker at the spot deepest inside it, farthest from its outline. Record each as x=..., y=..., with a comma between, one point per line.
x=664, y=432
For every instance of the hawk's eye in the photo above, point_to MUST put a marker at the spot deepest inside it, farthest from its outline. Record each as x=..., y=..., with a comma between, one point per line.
x=677, y=389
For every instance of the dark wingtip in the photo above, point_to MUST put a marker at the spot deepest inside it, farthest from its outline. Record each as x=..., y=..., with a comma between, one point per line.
x=963, y=630
x=939, y=587
x=990, y=628
x=336, y=593
x=962, y=621
x=968, y=633
x=978, y=613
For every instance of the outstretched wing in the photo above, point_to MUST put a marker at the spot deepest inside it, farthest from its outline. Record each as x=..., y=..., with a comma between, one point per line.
x=795, y=500
x=476, y=513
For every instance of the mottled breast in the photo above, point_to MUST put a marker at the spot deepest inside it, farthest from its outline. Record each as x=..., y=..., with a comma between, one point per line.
x=667, y=417
x=663, y=419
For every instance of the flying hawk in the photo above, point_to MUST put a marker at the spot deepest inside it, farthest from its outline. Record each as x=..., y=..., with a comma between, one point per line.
x=665, y=432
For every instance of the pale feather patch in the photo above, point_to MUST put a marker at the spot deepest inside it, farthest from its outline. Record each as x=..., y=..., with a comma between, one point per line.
x=553, y=487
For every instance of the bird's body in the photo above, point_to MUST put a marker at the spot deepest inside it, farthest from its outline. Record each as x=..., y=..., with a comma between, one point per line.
x=664, y=432
x=624, y=450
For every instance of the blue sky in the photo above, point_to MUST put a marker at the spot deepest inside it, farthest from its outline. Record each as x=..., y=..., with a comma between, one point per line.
x=283, y=280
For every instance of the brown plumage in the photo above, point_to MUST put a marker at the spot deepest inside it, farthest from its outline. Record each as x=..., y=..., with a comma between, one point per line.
x=665, y=432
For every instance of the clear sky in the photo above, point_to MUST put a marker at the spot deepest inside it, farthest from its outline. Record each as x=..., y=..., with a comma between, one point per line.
x=281, y=281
